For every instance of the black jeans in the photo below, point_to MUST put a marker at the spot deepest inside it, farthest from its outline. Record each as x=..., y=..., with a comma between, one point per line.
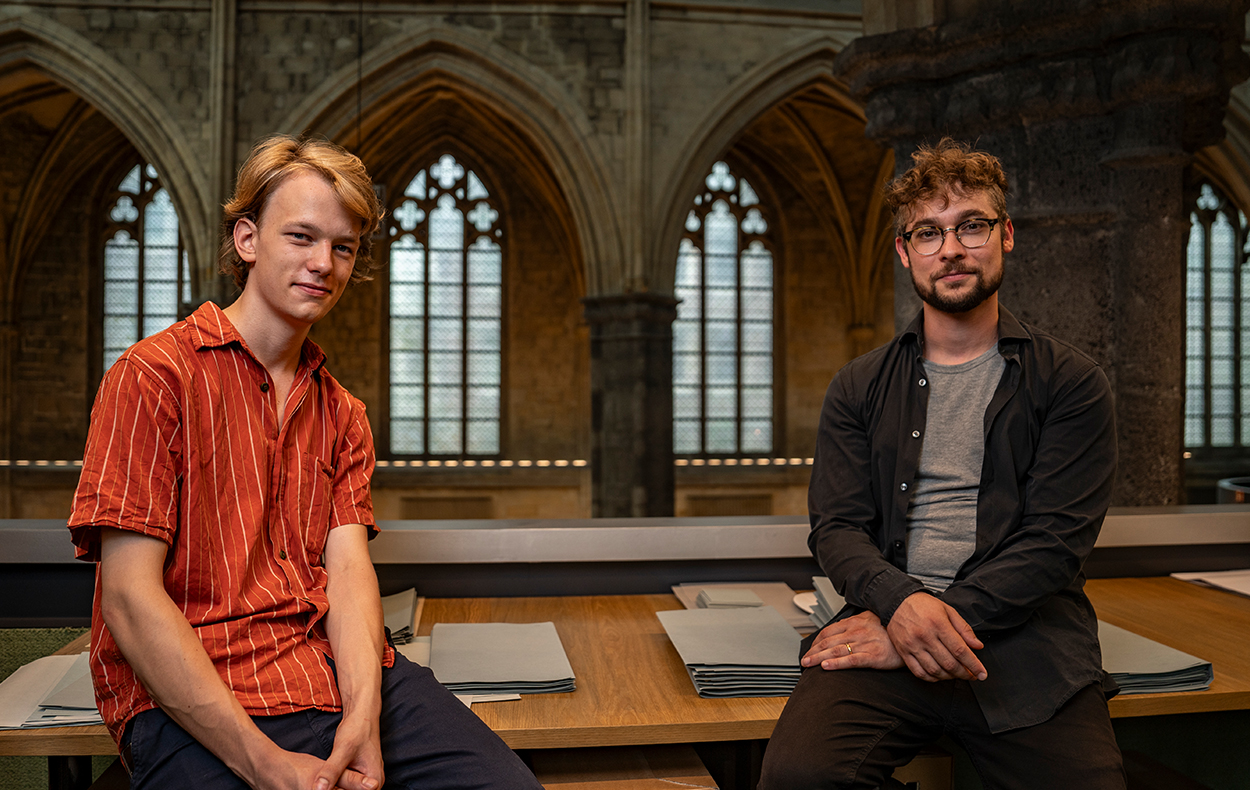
x=430, y=740
x=849, y=729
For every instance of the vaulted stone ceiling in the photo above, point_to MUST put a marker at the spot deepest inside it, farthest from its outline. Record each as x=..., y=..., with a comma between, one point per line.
x=54, y=142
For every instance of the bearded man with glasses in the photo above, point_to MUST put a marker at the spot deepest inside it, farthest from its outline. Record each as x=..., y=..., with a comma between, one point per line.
x=961, y=477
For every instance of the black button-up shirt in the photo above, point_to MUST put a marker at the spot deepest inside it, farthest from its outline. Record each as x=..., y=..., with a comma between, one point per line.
x=1046, y=480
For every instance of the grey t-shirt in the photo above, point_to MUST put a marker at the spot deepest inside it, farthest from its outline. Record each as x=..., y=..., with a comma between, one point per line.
x=942, y=516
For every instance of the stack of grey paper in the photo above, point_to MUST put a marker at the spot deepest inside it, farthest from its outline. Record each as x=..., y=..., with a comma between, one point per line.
x=53, y=691
x=750, y=652
x=778, y=595
x=500, y=658
x=398, y=612
x=1140, y=665
x=828, y=602
x=727, y=598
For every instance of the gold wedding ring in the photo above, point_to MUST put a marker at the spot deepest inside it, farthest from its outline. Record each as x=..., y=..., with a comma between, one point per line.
x=849, y=651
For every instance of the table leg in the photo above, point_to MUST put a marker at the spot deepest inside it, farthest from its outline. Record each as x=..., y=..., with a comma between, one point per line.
x=69, y=773
x=735, y=765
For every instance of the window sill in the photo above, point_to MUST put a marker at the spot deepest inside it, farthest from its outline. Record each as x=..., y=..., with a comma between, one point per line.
x=479, y=476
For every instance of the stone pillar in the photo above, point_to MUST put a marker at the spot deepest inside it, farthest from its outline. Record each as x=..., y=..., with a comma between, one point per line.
x=1094, y=110
x=631, y=404
x=9, y=337
x=211, y=286
x=636, y=215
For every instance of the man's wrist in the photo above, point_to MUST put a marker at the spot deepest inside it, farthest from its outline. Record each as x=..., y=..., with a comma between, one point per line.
x=256, y=755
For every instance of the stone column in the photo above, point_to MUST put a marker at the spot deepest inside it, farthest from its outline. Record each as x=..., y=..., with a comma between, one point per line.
x=221, y=156
x=1094, y=110
x=9, y=337
x=631, y=404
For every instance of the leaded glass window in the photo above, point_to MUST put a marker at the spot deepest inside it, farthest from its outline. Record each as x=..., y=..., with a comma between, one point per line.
x=146, y=271
x=1217, y=327
x=446, y=315
x=723, y=335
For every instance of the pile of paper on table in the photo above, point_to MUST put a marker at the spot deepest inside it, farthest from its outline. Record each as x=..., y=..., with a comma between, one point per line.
x=1237, y=581
x=727, y=598
x=465, y=657
x=828, y=602
x=53, y=691
x=1140, y=665
x=735, y=652
x=778, y=595
x=399, y=612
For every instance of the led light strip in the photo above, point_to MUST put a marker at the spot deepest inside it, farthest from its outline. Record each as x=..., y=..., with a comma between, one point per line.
x=742, y=462
x=488, y=463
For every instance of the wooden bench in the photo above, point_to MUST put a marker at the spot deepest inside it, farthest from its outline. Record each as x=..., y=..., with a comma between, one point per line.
x=932, y=769
x=657, y=767
x=665, y=766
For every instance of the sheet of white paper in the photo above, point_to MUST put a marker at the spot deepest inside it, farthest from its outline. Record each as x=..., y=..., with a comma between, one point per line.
x=727, y=598
x=830, y=601
x=21, y=692
x=469, y=699
x=805, y=601
x=778, y=595
x=1237, y=581
x=75, y=691
x=398, y=611
x=417, y=651
x=56, y=717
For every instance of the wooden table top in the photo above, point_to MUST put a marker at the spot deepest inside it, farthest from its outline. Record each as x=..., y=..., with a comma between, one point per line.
x=1207, y=623
x=631, y=685
x=633, y=689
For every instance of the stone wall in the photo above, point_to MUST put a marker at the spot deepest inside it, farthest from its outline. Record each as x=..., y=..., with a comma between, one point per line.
x=558, y=100
x=165, y=50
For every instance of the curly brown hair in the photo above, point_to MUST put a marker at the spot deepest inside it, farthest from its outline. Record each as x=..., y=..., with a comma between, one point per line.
x=950, y=167
x=272, y=161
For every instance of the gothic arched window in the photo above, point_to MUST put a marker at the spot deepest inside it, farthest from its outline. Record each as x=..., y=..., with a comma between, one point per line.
x=446, y=315
x=723, y=335
x=146, y=272
x=1217, y=329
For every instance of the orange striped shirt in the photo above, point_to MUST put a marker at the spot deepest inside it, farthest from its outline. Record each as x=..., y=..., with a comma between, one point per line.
x=185, y=446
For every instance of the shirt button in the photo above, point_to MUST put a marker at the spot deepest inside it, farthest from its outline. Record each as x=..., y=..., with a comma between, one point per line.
x=903, y=487
x=264, y=386
x=922, y=382
x=282, y=554
x=898, y=545
x=915, y=434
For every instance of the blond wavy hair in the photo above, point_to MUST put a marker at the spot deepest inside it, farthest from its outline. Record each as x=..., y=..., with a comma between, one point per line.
x=274, y=160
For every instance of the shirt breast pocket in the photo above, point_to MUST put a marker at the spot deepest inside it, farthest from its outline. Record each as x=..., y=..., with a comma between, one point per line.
x=310, y=504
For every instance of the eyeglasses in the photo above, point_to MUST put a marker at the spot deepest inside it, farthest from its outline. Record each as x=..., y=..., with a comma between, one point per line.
x=972, y=233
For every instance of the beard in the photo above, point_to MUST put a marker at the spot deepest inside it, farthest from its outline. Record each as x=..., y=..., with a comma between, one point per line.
x=983, y=287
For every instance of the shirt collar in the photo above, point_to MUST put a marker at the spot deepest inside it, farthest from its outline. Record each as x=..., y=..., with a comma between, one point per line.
x=211, y=329
x=1010, y=331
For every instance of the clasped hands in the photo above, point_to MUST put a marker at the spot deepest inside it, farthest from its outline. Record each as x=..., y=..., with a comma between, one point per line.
x=925, y=635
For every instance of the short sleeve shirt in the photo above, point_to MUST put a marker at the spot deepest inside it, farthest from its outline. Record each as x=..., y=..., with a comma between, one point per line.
x=185, y=446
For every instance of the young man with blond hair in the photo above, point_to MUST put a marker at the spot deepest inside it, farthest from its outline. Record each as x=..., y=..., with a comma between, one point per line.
x=237, y=636
x=962, y=474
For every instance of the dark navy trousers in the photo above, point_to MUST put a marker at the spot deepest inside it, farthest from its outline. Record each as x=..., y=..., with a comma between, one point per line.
x=430, y=740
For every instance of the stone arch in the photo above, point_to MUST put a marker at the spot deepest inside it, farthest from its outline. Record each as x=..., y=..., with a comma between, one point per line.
x=1228, y=162
x=465, y=125
x=490, y=74
x=751, y=95
x=89, y=71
